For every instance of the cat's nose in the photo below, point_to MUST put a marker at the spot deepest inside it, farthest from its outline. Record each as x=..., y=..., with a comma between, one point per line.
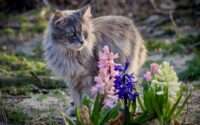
x=81, y=42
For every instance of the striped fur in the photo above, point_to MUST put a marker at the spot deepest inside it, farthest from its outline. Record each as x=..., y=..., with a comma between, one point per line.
x=79, y=66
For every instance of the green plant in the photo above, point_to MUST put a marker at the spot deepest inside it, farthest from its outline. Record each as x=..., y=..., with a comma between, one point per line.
x=16, y=116
x=163, y=95
x=92, y=113
x=192, y=72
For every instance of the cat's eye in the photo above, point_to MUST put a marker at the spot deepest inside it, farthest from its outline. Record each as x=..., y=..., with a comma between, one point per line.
x=70, y=34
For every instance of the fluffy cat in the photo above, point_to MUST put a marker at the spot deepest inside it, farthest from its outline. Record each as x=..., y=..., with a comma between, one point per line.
x=74, y=38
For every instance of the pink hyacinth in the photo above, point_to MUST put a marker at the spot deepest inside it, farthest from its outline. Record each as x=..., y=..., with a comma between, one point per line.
x=105, y=78
x=148, y=76
x=154, y=68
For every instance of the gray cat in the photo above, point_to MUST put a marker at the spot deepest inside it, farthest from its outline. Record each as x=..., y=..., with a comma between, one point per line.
x=74, y=38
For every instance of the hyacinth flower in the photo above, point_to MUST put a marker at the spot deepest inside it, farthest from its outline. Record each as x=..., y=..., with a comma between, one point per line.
x=125, y=89
x=125, y=83
x=103, y=108
x=163, y=94
x=105, y=78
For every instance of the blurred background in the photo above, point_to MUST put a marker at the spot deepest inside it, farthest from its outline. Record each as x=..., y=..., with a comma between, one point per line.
x=31, y=95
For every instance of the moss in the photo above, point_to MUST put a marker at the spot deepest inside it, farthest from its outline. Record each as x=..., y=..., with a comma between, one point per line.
x=191, y=42
x=192, y=71
x=169, y=29
x=38, y=51
x=58, y=93
x=36, y=27
x=20, y=65
x=22, y=19
x=25, y=27
x=183, y=44
x=157, y=45
x=8, y=31
x=40, y=26
x=16, y=116
x=17, y=90
x=36, y=24
x=42, y=97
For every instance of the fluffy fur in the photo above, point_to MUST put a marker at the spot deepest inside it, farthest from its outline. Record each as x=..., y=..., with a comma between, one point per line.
x=75, y=61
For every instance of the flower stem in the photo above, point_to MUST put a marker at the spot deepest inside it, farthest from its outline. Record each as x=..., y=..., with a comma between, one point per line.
x=126, y=112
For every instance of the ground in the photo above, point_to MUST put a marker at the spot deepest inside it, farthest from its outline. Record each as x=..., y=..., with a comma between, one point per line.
x=31, y=94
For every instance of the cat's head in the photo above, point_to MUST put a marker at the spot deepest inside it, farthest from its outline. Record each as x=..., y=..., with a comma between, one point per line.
x=72, y=28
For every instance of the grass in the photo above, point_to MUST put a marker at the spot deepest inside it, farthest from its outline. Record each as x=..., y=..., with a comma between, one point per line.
x=183, y=45
x=15, y=115
x=192, y=71
x=20, y=65
x=17, y=90
x=26, y=25
x=21, y=70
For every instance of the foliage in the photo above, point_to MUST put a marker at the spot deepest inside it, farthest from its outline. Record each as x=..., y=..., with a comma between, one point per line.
x=20, y=65
x=16, y=115
x=93, y=113
x=163, y=97
x=183, y=44
x=192, y=72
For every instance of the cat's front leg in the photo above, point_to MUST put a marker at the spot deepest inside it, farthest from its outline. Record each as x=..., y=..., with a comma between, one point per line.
x=87, y=83
x=76, y=96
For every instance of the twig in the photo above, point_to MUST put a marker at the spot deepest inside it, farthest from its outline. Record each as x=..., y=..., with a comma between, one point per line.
x=173, y=22
x=169, y=13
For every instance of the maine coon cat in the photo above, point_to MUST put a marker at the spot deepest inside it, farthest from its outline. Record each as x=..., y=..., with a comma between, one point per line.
x=74, y=38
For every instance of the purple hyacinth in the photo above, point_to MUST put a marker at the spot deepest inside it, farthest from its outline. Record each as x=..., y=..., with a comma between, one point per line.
x=125, y=83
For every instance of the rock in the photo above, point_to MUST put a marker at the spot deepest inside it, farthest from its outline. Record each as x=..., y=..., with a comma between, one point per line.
x=158, y=33
x=152, y=19
x=40, y=104
x=168, y=5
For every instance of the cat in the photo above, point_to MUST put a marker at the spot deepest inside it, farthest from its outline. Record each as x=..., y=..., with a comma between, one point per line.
x=73, y=39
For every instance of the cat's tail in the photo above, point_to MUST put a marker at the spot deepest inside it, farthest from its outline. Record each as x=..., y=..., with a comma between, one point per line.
x=139, y=52
x=142, y=55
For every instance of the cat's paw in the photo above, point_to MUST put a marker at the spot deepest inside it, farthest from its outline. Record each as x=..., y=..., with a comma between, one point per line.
x=71, y=110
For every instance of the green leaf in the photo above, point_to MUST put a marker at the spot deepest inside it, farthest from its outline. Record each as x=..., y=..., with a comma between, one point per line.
x=140, y=103
x=156, y=108
x=108, y=115
x=133, y=107
x=67, y=119
x=183, y=105
x=147, y=100
x=96, y=109
x=87, y=101
x=78, y=118
x=174, y=107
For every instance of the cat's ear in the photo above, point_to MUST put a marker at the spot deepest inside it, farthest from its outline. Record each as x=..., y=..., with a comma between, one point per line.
x=57, y=16
x=86, y=12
